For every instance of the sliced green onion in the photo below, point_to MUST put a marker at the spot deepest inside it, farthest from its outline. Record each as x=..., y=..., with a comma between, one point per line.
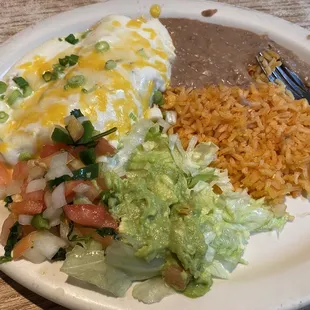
x=87, y=91
x=27, y=91
x=88, y=156
x=76, y=81
x=141, y=52
x=66, y=87
x=3, y=117
x=49, y=76
x=60, y=39
x=61, y=136
x=106, y=231
x=71, y=39
x=14, y=96
x=87, y=173
x=73, y=59
x=88, y=132
x=110, y=65
x=63, y=61
x=59, y=180
x=76, y=113
x=58, y=70
x=3, y=87
x=102, y=46
x=103, y=134
x=14, y=237
x=158, y=98
x=20, y=82
x=2, y=97
x=24, y=156
x=133, y=116
x=85, y=33
x=8, y=200
x=39, y=222
x=5, y=259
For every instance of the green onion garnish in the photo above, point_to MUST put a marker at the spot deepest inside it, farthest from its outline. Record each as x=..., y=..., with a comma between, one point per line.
x=61, y=136
x=49, y=76
x=88, y=132
x=103, y=134
x=27, y=91
x=110, y=65
x=133, y=116
x=76, y=81
x=3, y=117
x=14, y=96
x=39, y=222
x=63, y=61
x=20, y=82
x=158, y=98
x=3, y=87
x=88, y=156
x=76, y=113
x=87, y=91
x=24, y=156
x=69, y=60
x=89, y=172
x=71, y=39
x=58, y=70
x=85, y=33
x=102, y=46
x=73, y=59
x=141, y=52
x=2, y=97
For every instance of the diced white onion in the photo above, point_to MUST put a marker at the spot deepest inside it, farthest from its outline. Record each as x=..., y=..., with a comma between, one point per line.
x=14, y=188
x=2, y=192
x=24, y=219
x=59, y=159
x=34, y=256
x=155, y=113
x=171, y=117
x=58, y=196
x=57, y=172
x=81, y=188
x=35, y=185
x=48, y=199
x=36, y=172
x=165, y=125
x=48, y=244
x=53, y=215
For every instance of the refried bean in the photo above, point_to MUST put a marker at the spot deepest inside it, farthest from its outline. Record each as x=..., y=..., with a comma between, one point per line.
x=212, y=54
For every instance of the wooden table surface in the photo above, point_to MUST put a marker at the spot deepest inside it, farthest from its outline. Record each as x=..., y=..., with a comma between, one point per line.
x=19, y=14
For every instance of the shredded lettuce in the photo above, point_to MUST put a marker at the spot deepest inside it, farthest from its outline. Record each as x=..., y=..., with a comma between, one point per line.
x=88, y=264
x=170, y=204
x=152, y=290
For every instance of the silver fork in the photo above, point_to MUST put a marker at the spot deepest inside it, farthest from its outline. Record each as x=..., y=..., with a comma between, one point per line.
x=292, y=81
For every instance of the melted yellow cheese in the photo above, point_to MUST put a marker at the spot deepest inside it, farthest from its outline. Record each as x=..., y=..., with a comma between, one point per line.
x=151, y=31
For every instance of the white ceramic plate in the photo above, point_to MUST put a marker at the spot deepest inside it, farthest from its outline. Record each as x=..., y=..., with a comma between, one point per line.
x=278, y=274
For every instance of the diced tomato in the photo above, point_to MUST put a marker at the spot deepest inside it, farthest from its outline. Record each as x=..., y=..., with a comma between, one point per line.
x=34, y=196
x=86, y=231
x=23, y=245
x=7, y=224
x=28, y=207
x=104, y=148
x=90, y=215
x=5, y=176
x=27, y=229
x=70, y=185
x=50, y=149
x=20, y=171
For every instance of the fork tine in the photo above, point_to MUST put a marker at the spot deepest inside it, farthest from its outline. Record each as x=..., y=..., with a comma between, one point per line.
x=290, y=83
x=288, y=86
x=294, y=76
